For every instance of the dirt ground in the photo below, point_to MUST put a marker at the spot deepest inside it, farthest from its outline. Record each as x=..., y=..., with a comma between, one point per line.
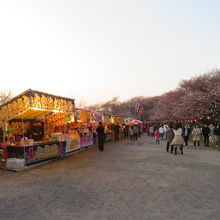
x=130, y=180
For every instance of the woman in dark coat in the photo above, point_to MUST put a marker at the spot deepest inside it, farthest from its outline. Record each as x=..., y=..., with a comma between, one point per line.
x=170, y=136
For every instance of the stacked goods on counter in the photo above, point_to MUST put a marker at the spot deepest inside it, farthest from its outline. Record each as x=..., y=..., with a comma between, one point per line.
x=19, y=127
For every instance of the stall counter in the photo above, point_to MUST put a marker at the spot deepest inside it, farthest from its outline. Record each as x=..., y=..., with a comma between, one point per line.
x=37, y=152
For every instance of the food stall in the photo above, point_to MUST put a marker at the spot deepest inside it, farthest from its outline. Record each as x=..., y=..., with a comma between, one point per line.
x=106, y=120
x=35, y=126
x=82, y=122
x=117, y=123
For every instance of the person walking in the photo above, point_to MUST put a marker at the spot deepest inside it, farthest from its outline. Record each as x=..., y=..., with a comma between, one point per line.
x=139, y=131
x=157, y=136
x=131, y=133
x=148, y=130
x=186, y=133
x=216, y=133
x=197, y=133
x=151, y=131
x=126, y=132
x=161, y=131
x=117, y=131
x=177, y=140
x=211, y=127
x=101, y=136
x=170, y=136
x=165, y=128
x=206, y=134
x=135, y=131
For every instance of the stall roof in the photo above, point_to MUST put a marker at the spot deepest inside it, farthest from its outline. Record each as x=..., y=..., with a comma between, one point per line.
x=33, y=104
x=31, y=91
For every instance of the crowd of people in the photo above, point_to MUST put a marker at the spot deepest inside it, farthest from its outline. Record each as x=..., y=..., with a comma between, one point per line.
x=178, y=135
x=132, y=131
x=127, y=131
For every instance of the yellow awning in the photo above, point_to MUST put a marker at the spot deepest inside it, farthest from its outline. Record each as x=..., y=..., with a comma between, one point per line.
x=32, y=114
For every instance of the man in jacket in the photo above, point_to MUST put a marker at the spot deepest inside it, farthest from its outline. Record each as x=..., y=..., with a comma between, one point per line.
x=206, y=133
x=186, y=133
x=135, y=132
x=101, y=136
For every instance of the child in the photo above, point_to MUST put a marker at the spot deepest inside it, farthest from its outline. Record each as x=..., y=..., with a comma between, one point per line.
x=157, y=136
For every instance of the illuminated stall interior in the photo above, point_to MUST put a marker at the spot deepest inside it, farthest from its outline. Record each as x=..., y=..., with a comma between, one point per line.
x=82, y=121
x=32, y=109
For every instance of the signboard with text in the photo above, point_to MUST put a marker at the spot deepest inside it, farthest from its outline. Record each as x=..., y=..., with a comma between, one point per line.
x=86, y=140
x=72, y=145
x=44, y=151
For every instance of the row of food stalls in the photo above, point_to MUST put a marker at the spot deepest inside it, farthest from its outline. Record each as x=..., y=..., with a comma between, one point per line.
x=36, y=126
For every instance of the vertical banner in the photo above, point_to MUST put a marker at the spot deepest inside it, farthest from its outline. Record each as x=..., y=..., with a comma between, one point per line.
x=98, y=117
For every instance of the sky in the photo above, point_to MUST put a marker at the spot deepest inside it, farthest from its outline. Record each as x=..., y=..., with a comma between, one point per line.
x=93, y=50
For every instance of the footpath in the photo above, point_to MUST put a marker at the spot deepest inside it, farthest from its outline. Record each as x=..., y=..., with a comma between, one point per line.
x=129, y=180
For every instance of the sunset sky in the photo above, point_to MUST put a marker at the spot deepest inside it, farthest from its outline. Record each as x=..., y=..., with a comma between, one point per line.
x=96, y=49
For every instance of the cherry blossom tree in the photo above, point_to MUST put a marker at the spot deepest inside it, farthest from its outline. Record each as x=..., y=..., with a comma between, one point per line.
x=5, y=96
x=192, y=99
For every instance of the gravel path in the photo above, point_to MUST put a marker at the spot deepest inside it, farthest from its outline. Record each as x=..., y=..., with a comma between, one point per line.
x=129, y=180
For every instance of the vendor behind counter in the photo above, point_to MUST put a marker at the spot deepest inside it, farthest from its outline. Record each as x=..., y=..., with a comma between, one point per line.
x=36, y=131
